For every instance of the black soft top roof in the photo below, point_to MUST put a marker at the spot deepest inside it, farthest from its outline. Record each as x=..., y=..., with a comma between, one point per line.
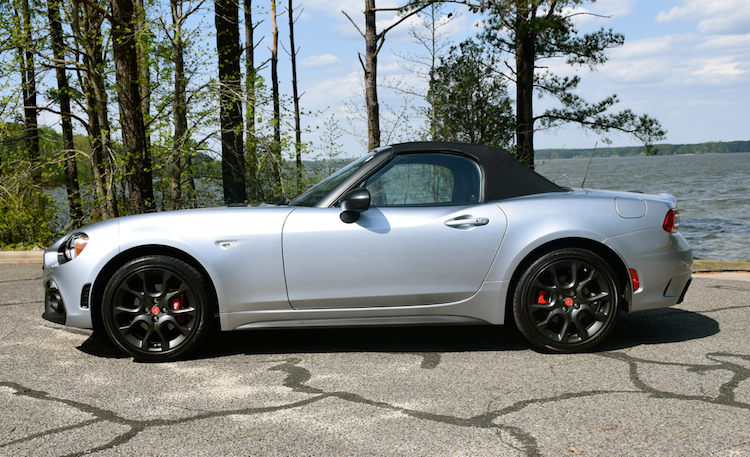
x=505, y=177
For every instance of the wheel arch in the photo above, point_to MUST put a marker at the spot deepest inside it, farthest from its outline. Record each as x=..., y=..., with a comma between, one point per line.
x=605, y=252
x=106, y=273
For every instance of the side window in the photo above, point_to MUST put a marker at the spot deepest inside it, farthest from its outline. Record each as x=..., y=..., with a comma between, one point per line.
x=426, y=179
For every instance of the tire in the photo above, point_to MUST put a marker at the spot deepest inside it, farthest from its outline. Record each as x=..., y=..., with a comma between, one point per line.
x=568, y=300
x=156, y=309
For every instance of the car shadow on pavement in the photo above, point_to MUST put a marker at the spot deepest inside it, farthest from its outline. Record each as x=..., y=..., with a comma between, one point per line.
x=660, y=326
x=650, y=327
x=366, y=339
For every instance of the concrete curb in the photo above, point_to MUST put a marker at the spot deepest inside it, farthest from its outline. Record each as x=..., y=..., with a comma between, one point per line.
x=22, y=257
x=704, y=266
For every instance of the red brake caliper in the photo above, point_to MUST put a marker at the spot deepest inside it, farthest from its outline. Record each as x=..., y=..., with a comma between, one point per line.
x=543, y=298
x=178, y=303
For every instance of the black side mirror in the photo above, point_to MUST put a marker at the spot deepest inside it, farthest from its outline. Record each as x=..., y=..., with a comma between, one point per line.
x=354, y=202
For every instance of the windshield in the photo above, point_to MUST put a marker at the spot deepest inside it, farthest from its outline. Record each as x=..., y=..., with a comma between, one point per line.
x=320, y=190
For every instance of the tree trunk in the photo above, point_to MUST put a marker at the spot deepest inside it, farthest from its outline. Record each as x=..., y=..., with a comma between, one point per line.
x=63, y=93
x=255, y=192
x=371, y=77
x=232, y=149
x=179, y=105
x=127, y=74
x=28, y=82
x=96, y=141
x=295, y=95
x=276, y=159
x=86, y=24
x=525, y=57
x=143, y=51
x=373, y=42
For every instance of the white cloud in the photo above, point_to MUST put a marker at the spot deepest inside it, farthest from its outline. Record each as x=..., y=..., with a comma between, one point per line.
x=684, y=59
x=636, y=49
x=689, y=61
x=334, y=7
x=722, y=43
x=332, y=91
x=613, y=8
x=713, y=16
x=717, y=70
x=320, y=61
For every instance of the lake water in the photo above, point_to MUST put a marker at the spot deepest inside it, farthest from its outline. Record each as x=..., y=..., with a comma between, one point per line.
x=712, y=190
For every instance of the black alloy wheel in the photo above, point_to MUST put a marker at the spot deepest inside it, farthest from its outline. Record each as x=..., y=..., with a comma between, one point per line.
x=567, y=301
x=156, y=308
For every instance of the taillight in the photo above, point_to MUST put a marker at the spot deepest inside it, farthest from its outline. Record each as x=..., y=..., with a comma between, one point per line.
x=672, y=221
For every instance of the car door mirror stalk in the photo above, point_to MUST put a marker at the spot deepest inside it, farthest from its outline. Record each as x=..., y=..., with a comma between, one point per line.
x=354, y=202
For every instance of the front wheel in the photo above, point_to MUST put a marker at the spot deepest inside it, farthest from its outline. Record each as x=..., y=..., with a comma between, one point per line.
x=156, y=309
x=568, y=300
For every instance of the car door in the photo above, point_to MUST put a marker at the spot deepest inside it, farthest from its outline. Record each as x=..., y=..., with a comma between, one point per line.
x=426, y=239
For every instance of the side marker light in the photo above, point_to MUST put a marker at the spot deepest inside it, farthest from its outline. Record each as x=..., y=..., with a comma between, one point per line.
x=80, y=244
x=635, y=280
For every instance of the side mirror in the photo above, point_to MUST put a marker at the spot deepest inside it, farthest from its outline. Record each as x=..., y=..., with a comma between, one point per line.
x=354, y=202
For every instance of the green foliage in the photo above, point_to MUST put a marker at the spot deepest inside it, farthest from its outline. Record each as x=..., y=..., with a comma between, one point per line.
x=470, y=99
x=24, y=208
x=534, y=32
x=24, y=216
x=594, y=117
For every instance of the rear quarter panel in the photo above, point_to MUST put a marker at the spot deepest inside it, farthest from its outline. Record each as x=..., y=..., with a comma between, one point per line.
x=640, y=242
x=536, y=220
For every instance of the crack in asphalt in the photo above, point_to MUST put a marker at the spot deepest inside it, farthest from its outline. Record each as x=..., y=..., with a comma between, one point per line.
x=136, y=426
x=667, y=311
x=726, y=395
x=35, y=302
x=73, y=330
x=723, y=287
x=6, y=281
x=297, y=378
x=716, y=310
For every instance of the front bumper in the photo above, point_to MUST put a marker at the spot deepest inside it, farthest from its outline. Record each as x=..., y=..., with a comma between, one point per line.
x=66, y=295
x=54, y=306
x=68, y=285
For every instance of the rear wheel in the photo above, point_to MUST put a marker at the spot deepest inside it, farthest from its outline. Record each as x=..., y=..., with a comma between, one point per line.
x=567, y=301
x=156, y=309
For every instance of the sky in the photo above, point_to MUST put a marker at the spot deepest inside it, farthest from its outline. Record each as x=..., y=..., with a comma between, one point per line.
x=684, y=62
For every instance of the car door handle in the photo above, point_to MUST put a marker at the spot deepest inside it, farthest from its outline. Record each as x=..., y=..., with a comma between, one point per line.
x=471, y=221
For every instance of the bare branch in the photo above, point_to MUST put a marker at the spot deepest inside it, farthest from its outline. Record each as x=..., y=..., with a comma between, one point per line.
x=99, y=10
x=353, y=23
x=403, y=18
x=586, y=13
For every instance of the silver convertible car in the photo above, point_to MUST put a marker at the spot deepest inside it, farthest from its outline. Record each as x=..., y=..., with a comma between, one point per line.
x=420, y=233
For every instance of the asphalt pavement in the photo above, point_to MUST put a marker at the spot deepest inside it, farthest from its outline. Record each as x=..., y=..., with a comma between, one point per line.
x=670, y=382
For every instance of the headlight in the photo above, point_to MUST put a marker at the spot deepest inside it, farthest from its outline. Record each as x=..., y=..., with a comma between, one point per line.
x=75, y=245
